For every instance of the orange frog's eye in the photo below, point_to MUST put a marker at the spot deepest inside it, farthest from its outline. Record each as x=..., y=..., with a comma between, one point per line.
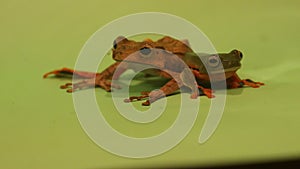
x=117, y=40
x=115, y=44
x=145, y=52
x=213, y=61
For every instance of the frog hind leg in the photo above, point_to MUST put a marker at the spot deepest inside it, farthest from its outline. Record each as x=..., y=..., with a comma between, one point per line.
x=236, y=82
x=170, y=87
x=108, y=72
x=102, y=79
x=67, y=72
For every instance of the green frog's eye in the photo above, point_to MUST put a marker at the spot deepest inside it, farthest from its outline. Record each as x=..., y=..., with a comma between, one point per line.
x=213, y=61
x=238, y=53
x=145, y=51
x=241, y=55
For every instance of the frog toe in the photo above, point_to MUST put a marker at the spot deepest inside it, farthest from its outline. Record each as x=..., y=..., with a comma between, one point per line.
x=72, y=87
x=146, y=103
x=251, y=83
x=207, y=92
x=64, y=72
x=135, y=98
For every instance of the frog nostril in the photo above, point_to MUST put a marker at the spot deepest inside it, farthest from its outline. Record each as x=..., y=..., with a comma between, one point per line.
x=145, y=51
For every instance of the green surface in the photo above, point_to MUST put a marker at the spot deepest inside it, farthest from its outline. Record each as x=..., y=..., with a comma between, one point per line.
x=38, y=124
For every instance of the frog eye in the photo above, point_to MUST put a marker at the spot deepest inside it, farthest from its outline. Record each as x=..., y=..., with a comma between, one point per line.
x=145, y=51
x=238, y=53
x=241, y=55
x=115, y=44
x=117, y=40
x=213, y=61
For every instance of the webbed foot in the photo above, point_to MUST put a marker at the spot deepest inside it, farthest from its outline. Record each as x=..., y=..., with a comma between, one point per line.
x=150, y=97
x=207, y=92
x=251, y=83
x=89, y=83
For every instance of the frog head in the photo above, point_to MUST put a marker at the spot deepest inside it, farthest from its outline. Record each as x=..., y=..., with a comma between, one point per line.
x=214, y=63
x=217, y=64
x=122, y=48
x=231, y=61
x=145, y=52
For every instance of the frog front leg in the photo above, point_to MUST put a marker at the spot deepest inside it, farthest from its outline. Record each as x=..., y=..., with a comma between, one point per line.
x=183, y=78
x=102, y=79
x=236, y=82
x=170, y=87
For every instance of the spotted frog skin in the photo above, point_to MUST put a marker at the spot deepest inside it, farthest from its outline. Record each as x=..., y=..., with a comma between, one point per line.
x=163, y=55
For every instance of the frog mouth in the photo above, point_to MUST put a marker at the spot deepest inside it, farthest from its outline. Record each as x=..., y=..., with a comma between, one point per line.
x=232, y=69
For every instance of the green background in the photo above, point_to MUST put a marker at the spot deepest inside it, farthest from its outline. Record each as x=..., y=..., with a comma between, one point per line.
x=38, y=124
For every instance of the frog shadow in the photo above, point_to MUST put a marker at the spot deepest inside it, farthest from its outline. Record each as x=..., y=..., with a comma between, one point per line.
x=145, y=83
x=142, y=83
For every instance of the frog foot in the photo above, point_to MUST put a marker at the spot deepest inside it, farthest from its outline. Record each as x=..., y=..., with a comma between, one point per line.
x=89, y=83
x=194, y=95
x=251, y=83
x=150, y=96
x=72, y=87
x=207, y=92
x=137, y=98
